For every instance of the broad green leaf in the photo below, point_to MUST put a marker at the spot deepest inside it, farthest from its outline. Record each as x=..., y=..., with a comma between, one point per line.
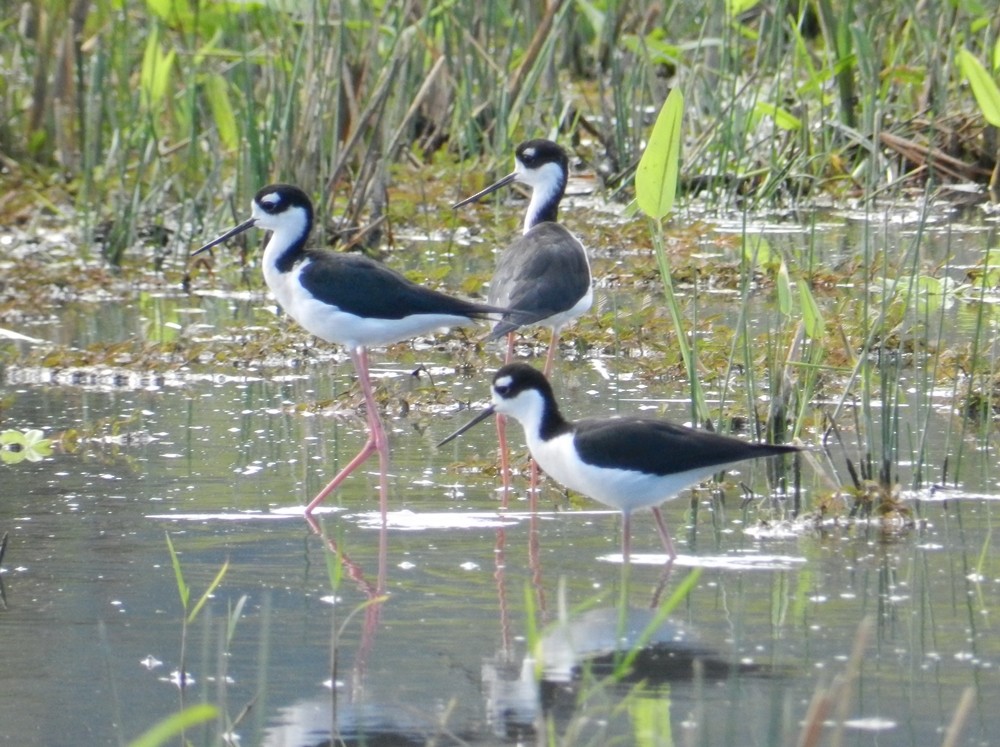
x=36, y=446
x=812, y=319
x=984, y=88
x=757, y=252
x=783, y=119
x=164, y=731
x=154, y=77
x=930, y=284
x=656, y=176
x=12, y=448
x=174, y=12
x=653, y=47
x=12, y=438
x=735, y=8
x=30, y=445
x=592, y=14
x=222, y=111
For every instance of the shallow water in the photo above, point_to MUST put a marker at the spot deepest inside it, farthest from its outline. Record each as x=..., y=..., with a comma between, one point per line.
x=222, y=462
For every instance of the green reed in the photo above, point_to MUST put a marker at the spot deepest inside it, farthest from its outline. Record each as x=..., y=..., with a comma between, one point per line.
x=146, y=104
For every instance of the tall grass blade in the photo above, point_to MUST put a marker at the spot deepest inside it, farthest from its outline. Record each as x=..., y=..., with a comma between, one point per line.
x=208, y=592
x=683, y=589
x=183, y=590
x=234, y=617
x=172, y=726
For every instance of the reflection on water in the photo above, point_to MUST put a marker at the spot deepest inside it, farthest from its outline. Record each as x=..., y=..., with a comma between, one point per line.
x=456, y=623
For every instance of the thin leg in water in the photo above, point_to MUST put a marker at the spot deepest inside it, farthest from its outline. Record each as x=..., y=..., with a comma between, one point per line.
x=377, y=427
x=550, y=358
x=502, y=435
x=661, y=528
x=377, y=441
x=533, y=479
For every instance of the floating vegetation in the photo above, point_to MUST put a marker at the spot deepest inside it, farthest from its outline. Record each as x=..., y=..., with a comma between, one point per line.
x=19, y=446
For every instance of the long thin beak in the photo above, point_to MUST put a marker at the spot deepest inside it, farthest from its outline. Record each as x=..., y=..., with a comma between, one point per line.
x=245, y=226
x=492, y=188
x=475, y=421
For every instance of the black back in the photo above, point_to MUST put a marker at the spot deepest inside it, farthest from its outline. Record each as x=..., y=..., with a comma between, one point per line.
x=361, y=286
x=651, y=445
x=352, y=282
x=659, y=447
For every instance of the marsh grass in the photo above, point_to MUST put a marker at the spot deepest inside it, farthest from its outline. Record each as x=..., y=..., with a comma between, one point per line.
x=188, y=715
x=140, y=106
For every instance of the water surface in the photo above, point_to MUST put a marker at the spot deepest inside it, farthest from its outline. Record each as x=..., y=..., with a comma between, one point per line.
x=224, y=459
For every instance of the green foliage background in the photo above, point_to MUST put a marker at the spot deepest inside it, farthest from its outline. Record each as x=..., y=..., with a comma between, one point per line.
x=133, y=108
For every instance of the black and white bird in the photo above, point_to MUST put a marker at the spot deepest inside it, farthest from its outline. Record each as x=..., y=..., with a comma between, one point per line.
x=346, y=299
x=626, y=463
x=544, y=274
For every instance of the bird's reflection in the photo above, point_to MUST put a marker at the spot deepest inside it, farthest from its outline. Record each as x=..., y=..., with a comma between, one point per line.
x=624, y=644
x=348, y=715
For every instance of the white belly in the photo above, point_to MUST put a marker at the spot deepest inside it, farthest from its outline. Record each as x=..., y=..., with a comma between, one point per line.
x=625, y=490
x=333, y=325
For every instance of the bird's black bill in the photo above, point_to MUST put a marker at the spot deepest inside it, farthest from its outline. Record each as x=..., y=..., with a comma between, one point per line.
x=492, y=188
x=475, y=421
x=245, y=226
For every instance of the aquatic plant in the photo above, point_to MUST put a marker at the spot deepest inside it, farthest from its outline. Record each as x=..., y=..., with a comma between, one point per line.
x=146, y=108
x=18, y=446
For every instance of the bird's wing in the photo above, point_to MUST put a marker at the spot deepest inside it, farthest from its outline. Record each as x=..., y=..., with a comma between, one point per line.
x=361, y=286
x=661, y=447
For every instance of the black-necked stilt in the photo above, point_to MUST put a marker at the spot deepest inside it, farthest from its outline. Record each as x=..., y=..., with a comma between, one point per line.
x=347, y=299
x=626, y=463
x=544, y=274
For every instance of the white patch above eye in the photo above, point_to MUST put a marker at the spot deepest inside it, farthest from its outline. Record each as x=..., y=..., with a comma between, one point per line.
x=503, y=382
x=271, y=198
x=529, y=153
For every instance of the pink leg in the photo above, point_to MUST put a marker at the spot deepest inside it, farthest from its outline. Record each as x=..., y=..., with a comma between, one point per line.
x=378, y=430
x=626, y=535
x=502, y=435
x=533, y=468
x=661, y=527
x=504, y=458
x=553, y=346
x=377, y=441
x=533, y=486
